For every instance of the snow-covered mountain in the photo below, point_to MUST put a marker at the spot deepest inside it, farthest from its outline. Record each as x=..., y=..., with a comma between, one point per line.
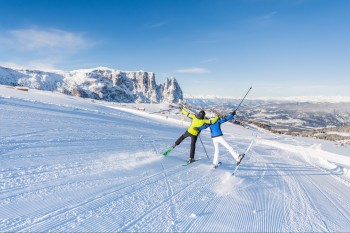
x=99, y=83
x=300, y=99
x=285, y=114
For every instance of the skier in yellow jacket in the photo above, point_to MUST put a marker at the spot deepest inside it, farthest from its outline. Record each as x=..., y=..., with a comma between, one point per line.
x=198, y=120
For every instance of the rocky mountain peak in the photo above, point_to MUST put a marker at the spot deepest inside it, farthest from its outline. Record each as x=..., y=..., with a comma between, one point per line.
x=99, y=83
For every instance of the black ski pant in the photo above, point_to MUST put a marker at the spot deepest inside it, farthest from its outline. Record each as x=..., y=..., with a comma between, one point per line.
x=193, y=142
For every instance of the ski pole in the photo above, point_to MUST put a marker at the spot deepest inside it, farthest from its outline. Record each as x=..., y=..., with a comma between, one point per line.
x=203, y=146
x=243, y=99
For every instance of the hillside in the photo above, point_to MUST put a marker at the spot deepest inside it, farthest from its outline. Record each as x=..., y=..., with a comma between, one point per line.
x=75, y=165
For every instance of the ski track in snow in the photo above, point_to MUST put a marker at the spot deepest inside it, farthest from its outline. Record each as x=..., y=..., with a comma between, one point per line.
x=92, y=168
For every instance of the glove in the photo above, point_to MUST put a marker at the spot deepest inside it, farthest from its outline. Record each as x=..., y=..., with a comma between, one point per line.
x=180, y=107
x=234, y=112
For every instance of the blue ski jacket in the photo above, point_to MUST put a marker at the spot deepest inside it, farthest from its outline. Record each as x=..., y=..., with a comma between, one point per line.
x=215, y=128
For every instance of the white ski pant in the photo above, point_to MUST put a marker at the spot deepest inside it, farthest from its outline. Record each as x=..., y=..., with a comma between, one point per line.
x=221, y=140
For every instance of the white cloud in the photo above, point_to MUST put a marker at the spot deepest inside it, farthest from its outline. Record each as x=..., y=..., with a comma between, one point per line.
x=33, y=65
x=33, y=39
x=159, y=24
x=156, y=25
x=267, y=16
x=209, y=60
x=263, y=20
x=36, y=48
x=193, y=70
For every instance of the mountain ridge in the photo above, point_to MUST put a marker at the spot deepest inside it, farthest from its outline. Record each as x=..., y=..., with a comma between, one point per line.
x=101, y=83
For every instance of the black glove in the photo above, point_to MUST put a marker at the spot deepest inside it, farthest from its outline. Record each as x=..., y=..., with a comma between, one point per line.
x=234, y=112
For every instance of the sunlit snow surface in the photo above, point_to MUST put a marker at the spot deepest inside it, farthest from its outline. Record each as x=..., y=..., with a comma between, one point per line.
x=73, y=165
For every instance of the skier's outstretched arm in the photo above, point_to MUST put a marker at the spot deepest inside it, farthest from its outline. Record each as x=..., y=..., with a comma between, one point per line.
x=185, y=112
x=228, y=117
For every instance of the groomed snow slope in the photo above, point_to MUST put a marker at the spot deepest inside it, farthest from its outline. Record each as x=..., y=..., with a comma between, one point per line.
x=68, y=164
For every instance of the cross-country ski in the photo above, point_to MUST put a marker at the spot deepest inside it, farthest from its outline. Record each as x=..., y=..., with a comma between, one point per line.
x=241, y=156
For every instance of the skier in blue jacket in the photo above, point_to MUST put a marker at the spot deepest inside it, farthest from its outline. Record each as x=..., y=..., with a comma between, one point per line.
x=218, y=138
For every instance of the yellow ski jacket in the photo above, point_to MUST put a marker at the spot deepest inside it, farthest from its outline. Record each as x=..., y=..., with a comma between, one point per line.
x=196, y=123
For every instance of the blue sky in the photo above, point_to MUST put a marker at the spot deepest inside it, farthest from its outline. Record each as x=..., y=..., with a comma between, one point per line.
x=222, y=47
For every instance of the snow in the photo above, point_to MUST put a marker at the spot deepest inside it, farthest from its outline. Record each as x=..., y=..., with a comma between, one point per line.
x=76, y=165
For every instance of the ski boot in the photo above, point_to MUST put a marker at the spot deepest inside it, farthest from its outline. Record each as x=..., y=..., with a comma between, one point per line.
x=190, y=160
x=169, y=150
